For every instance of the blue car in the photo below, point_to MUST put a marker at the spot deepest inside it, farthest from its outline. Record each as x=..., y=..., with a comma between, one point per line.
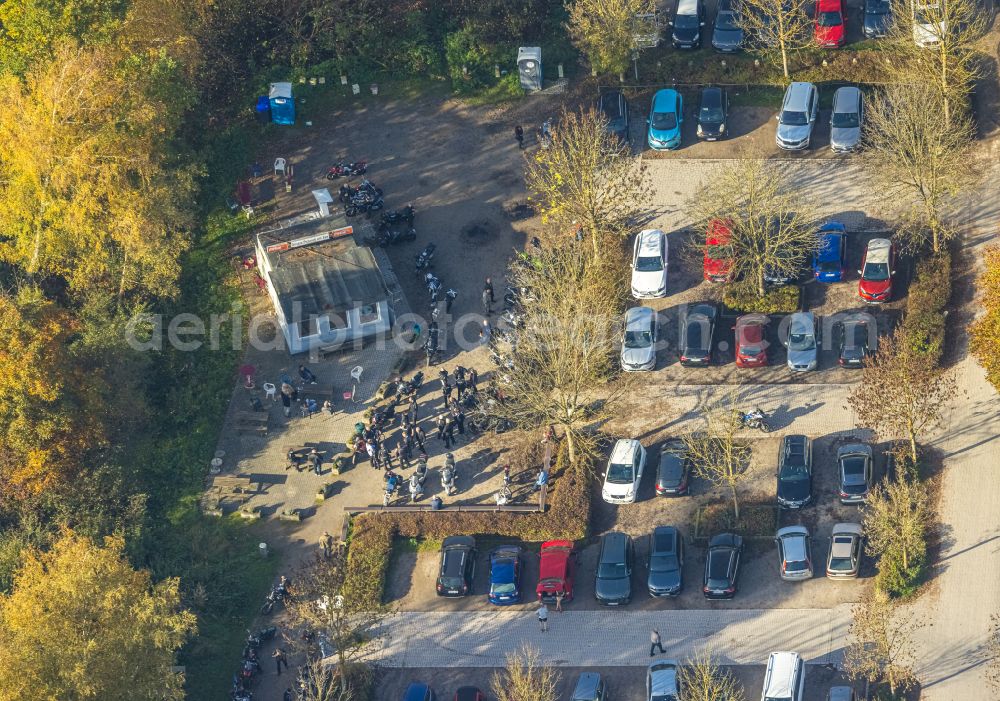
x=505, y=575
x=666, y=115
x=418, y=691
x=830, y=262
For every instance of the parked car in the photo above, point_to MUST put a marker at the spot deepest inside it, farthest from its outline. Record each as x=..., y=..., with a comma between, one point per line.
x=712, y=113
x=556, y=569
x=418, y=691
x=673, y=471
x=727, y=34
x=829, y=30
x=788, y=267
x=613, y=581
x=797, y=117
x=855, y=463
x=663, y=681
x=841, y=693
x=830, y=261
x=687, y=21
x=718, y=265
x=878, y=17
x=877, y=269
x=846, y=119
x=505, y=575
x=666, y=562
x=639, y=341
x=751, y=341
x=856, y=339
x=802, y=342
x=784, y=677
x=615, y=109
x=649, y=264
x=929, y=23
x=845, y=551
x=458, y=566
x=697, y=331
x=722, y=566
x=469, y=693
x=794, y=471
x=666, y=114
x=590, y=687
x=624, y=472
x=794, y=553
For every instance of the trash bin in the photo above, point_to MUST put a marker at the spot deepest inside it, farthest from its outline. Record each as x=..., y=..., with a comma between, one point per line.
x=262, y=549
x=529, y=67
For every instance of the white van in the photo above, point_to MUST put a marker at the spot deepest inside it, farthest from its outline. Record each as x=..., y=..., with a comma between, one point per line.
x=785, y=678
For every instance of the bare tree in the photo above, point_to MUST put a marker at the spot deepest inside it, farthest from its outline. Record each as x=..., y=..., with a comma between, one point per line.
x=556, y=367
x=882, y=642
x=525, y=678
x=701, y=679
x=902, y=393
x=919, y=157
x=587, y=180
x=767, y=225
x=777, y=27
x=605, y=30
x=716, y=452
x=896, y=518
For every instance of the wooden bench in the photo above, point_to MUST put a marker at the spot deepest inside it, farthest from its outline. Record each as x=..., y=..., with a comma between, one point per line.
x=225, y=489
x=252, y=421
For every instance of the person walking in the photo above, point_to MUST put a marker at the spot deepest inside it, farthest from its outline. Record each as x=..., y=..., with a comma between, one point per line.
x=443, y=376
x=485, y=332
x=488, y=285
x=419, y=436
x=543, y=617
x=460, y=422
x=473, y=379
x=487, y=303
x=316, y=460
x=412, y=411
x=446, y=391
x=384, y=456
x=286, y=402
x=519, y=135
x=655, y=642
x=373, y=454
x=326, y=544
x=279, y=659
x=360, y=450
x=559, y=600
x=449, y=432
x=449, y=299
x=440, y=427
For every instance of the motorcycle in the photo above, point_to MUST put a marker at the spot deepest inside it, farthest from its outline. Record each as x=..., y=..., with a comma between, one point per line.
x=279, y=592
x=365, y=188
x=425, y=257
x=388, y=236
x=364, y=204
x=448, y=480
x=399, y=216
x=416, y=488
x=346, y=170
x=755, y=419
x=254, y=640
x=421, y=472
x=409, y=387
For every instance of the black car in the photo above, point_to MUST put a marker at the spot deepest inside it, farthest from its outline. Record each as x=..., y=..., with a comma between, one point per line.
x=697, y=331
x=722, y=566
x=666, y=562
x=614, y=107
x=613, y=584
x=687, y=21
x=878, y=17
x=794, y=472
x=712, y=113
x=673, y=470
x=727, y=34
x=787, y=272
x=856, y=339
x=458, y=566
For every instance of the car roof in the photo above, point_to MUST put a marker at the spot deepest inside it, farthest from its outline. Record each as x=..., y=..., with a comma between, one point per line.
x=727, y=540
x=664, y=100
x=638, y=318
x=755, y=318
x=804, y=321
x=416, y=691
x=719, y=232
x=586, y=685
x=649, y=239
x=663, y=677
x=793, y=542
x=828, y=5
x=797, y=97
x=664, y=538
x=552, y=563
x=840, y=693
x=613, y=546
x=878, y=251
x=853, y=528
x=707, y=310
x=781, y=666
x=794, y=444
x=505, y=551
x=846, y=99
x=711, y=96
x=458, y=541
x=854, y=448
x=833, y=227
x=623, y=450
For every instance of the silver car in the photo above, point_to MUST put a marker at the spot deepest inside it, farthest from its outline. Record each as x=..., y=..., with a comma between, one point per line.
x=802, y=342
x=846, y=119
x=639, y=341
x=797, y=117
x=794, y=553
x=844, y=560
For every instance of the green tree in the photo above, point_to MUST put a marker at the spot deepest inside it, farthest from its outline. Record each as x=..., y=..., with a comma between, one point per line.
x=81, y=625
x=604, y=31
x=896, y=519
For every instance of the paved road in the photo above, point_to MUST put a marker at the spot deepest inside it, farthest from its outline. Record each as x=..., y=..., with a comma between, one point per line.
x=611, y=637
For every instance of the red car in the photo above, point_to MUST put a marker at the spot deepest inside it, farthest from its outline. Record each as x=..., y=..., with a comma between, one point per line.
x=829, y=30
x=875, y=285
x=751, y=344
x=718, y=267
x=556, y=567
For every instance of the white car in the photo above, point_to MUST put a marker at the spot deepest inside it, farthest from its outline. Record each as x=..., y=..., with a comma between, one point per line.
x=649, y=264
x=785, y=677
x=639, y=340
x=624, y=473
x=929, y=25
x=662, y=681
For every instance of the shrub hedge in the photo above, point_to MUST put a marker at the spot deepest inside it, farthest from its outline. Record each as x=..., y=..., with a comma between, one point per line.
x=370, y=547
x=778, y=300
x=930, y=290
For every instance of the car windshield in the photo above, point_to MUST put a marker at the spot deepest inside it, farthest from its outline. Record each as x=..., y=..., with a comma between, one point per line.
x=829, y=266
x=794, y=119
x=878, y=7
x=686, y=21
x=801, y=341
x=509, y=588
x=841, y=564
x=620, y=474
x=451, y=582
x=663, y=563
x=799, y=566
x=612, y=570
x=638, y=339
x=648, y=264
x=664, y=120
x=830, y=19
x=794, y=472
x=727, y=21
x=845, y=120
x=876, y=272
x=711, y=115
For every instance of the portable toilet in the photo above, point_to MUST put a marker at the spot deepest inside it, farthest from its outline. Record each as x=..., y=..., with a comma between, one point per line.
x=529, y=67
x=282, y=103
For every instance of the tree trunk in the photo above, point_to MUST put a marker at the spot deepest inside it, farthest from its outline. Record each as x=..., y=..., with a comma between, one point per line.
x=597, y=248
x=736, y=501
x=944, y=85
x=570, y=446
x=761, y=289
x=913, y=448
x=906, y=559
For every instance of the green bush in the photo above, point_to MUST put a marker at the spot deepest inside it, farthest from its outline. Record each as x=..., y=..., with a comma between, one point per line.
x=472, y=61
x=778, y=300
x=370, y=545
x=897, y=581
x=924, y=324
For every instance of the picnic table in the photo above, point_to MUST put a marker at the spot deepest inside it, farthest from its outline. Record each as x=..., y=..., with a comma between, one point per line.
x=252, y=422
x=227, y=489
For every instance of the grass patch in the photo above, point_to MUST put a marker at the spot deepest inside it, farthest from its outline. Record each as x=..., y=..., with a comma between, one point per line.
x=777, y=300
x=756, y=96
x=508, y=89
x=755, y=521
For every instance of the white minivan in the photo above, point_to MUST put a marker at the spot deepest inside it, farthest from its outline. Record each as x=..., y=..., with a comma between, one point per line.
x=624, y=473
x=785, y=678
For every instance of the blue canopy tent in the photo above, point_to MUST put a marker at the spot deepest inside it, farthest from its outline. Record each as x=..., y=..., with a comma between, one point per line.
x=282, y=103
